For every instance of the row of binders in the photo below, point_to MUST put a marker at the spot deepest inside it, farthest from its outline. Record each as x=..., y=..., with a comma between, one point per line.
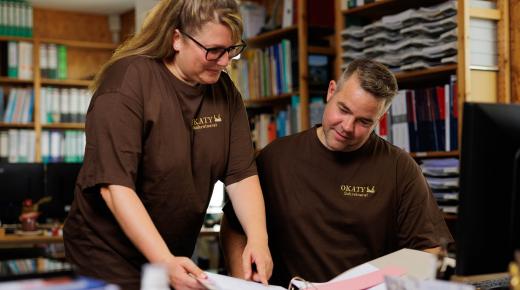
x=423, y=120
x=63, y=146
x=16, y=18
x=16, y=59
x=53, y=61
x=17, y=106
x=18, y=146
x=64, y=105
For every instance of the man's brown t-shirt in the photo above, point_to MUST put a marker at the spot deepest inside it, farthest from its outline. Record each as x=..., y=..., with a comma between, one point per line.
x=329, y=211
x=170, y=142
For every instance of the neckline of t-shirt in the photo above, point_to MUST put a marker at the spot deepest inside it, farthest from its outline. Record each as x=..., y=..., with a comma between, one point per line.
x=339, y=154
x=192, y=91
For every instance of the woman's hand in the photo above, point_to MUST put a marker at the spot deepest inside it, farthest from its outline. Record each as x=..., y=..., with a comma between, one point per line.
x=183, y=273
x=257, y=253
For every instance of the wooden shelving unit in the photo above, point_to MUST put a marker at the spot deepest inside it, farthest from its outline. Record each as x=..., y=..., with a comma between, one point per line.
x=425, y=73
x=436, y=154
x=15, y=38
x=466, y=82
x=267, y=38
x=16, y=125
x=80, y=44
x=300, y=35
x=71, y=83
x=8, y=80
x=270, y=100
x=65, y=126
x=88, y=41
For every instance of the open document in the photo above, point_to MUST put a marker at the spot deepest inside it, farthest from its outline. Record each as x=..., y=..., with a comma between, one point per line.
x=371, y=275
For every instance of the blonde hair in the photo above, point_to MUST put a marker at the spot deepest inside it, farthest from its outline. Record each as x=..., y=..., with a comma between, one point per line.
x=155, y=38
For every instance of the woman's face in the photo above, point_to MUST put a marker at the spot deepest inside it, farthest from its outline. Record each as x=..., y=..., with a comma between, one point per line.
x=190, y=63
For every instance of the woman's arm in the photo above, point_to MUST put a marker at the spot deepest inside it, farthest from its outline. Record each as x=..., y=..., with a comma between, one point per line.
x=136, y=223
x=248, y=203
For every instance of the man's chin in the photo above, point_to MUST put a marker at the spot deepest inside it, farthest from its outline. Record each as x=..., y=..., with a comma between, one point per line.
x=341, y=147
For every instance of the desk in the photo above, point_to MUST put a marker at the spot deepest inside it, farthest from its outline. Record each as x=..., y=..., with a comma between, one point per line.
x=21, y=240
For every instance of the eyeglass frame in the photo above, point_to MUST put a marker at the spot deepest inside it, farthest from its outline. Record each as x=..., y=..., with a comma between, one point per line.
x=243, y=46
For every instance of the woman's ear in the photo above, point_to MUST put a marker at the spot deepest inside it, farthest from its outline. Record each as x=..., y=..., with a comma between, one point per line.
x=176, y=40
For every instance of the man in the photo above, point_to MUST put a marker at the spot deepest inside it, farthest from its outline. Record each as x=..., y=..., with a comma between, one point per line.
x=337, y=195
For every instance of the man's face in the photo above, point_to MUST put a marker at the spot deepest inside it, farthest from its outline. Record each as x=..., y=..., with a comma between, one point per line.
x=349, y=117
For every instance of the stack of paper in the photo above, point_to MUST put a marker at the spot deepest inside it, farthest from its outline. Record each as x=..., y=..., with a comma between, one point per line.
x=412, y=39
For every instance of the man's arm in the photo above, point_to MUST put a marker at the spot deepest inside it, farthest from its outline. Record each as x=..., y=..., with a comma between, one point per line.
x=248, y=203
x=233, y=243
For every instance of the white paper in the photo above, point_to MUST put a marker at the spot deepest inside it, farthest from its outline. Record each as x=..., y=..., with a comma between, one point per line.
x=221, y=282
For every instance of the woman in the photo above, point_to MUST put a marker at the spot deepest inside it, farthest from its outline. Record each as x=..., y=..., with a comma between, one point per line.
x=163, y=126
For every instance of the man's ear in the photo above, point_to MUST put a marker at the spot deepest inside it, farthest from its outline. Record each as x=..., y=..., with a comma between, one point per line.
x=331, y=90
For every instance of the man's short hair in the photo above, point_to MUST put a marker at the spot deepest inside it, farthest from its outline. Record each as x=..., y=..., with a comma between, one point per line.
x=374, y=78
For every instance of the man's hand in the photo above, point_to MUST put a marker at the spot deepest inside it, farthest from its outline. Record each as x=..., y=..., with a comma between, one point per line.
x=258, y=254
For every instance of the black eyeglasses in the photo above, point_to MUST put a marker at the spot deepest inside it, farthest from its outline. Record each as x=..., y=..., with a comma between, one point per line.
x=215, y=53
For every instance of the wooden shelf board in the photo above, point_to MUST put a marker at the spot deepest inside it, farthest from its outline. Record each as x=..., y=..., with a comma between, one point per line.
x=15, y=38
x=322, y=50
x=484, y=13
x=450, y=216
x=17, y=240
x=406, y=75
x=81, y=44
x=16, y=125
x=271, y=35
x=77, y=126
x=365, y=7
x=53, y=82
x=15, y=80
x=269, y=100
x=387, y=7
x=435, y=154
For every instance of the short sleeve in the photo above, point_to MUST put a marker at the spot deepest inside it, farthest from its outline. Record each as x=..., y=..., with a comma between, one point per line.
x=114, y=136
x=241, y=163
x=421, y=224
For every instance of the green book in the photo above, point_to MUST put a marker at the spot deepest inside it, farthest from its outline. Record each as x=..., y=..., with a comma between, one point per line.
x=62, y=62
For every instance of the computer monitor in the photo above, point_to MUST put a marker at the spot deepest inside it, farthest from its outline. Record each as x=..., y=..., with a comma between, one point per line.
x=18, y=181
x=488, y=225
x=60, y=182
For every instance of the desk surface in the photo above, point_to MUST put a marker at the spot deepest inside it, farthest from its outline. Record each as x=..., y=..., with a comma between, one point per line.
x=17, y=240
